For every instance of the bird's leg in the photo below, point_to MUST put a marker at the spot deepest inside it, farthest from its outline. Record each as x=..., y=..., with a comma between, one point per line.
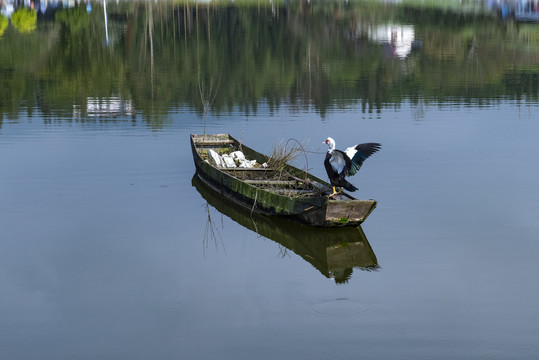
x=335, y=192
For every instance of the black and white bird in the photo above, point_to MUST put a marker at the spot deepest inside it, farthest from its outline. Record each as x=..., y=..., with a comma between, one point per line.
x=340, y=164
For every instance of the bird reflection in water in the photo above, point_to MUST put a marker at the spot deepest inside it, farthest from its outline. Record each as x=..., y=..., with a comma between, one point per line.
x=334, y=252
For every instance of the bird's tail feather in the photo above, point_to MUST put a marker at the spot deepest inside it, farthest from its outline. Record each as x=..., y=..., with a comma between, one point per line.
x=350, y=187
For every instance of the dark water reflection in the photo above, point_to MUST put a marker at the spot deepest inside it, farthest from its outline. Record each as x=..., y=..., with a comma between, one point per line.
x=102, y=248
x=333, y=252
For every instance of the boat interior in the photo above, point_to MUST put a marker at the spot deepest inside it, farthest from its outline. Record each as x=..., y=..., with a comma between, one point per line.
x=268, y=173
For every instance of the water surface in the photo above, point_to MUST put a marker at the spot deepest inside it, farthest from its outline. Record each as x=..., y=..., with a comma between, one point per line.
x=106, y=249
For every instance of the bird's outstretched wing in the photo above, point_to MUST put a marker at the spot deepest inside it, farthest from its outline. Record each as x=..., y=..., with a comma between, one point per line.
x=359, y=153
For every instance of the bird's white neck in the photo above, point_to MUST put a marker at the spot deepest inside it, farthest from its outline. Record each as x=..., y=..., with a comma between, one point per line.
x=331, y=143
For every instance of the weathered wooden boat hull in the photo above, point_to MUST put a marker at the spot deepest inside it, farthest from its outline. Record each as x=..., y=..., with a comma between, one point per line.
x=317, y=210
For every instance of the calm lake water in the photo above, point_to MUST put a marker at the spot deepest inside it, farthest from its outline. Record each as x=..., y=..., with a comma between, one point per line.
x=110, y=249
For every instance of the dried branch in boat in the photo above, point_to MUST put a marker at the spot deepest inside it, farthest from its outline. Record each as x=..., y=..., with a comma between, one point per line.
x=283, y=155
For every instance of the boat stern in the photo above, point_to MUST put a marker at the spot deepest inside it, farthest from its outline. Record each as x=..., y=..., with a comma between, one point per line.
x=345, y=212
x=338, y=213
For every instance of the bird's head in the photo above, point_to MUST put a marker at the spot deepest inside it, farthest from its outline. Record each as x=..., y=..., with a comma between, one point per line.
x=331, y=143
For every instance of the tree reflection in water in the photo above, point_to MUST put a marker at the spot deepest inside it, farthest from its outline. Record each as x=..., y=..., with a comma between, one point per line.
x=308, y=55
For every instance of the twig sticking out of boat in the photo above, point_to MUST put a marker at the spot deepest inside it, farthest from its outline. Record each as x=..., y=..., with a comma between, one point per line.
x=283, y=155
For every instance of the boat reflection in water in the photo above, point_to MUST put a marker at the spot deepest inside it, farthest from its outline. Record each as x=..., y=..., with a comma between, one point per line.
x=334, y=252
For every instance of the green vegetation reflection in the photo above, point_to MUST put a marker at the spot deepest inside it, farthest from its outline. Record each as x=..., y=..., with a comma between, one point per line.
x=24, y=20
x=145, y=58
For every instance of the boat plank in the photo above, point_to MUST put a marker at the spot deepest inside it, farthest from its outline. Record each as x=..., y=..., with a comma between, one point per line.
x=248, y=169
x=214, y=142
x=290, y=192
x=272, y=182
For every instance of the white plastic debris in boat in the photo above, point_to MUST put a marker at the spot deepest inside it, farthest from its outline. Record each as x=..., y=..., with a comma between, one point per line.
x=228, y=161
x=238, y=156
x=214, y=158
x=247, y=164
x=232, y=160
x=265, y=165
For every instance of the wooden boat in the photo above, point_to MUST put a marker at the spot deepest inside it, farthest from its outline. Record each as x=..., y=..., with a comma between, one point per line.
x=285, y=191
x=335, y=253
